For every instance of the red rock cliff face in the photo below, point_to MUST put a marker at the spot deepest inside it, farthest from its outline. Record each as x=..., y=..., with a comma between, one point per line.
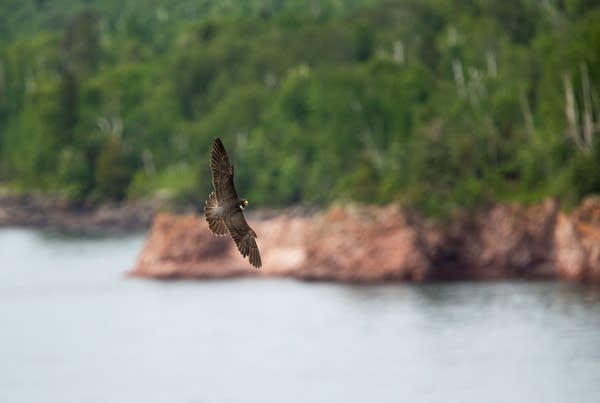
x=503, y=241
x=369, y=244
x=577, y=240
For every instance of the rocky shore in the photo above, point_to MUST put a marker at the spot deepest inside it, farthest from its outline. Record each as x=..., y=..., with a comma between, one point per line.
x=56, y=214
x=377, y=244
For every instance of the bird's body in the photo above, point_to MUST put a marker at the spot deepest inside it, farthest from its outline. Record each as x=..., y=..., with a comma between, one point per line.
x=224, y=209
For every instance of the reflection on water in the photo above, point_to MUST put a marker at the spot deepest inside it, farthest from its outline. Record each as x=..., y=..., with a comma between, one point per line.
x=75, y=329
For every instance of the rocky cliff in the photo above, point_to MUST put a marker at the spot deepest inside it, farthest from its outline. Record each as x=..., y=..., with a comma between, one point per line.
x=373, y=244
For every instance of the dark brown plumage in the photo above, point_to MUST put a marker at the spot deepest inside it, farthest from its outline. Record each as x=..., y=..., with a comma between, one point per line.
x=224, y=209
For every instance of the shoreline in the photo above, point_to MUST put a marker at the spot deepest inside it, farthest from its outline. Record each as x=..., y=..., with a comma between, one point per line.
x=345, y=243
x=367, y=244
x=56, y=214
x=106, y=218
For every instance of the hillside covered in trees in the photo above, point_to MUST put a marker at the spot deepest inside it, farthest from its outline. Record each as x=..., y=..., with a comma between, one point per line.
x=431, y=103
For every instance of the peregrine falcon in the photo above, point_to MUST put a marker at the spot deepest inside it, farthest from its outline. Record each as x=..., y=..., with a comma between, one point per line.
x=224, y=209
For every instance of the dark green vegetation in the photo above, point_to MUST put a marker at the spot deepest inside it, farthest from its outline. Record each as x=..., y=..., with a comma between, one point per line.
x=433, y=103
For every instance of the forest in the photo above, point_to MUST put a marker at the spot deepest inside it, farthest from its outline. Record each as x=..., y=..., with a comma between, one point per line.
x=433, y=104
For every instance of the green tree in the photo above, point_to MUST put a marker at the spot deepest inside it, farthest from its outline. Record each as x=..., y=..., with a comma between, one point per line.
x=113, y=171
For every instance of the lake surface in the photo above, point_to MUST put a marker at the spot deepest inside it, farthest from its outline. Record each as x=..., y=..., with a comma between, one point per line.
x=74, y=328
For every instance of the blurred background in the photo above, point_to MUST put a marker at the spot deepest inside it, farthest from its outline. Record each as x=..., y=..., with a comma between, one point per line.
x=434, y=105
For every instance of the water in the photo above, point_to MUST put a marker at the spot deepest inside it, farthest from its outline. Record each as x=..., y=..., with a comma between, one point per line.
x=73, y=328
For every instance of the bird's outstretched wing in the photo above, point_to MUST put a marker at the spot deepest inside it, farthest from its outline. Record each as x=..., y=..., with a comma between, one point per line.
x=244, y=237
x=222, y=173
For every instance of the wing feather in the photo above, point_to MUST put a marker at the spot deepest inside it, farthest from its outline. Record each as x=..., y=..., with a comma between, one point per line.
x=222, y=172
x=244, y=237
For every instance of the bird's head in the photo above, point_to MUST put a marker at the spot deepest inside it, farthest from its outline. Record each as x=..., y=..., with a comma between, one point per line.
x=243, y=203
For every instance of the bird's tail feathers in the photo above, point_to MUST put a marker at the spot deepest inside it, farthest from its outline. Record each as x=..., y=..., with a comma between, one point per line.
x=213, y=214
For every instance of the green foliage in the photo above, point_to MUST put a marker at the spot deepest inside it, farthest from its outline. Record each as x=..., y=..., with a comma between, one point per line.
x=112, y=171
x=178, y=180
x=73, y=173
x=586, y=172
x=438, y=104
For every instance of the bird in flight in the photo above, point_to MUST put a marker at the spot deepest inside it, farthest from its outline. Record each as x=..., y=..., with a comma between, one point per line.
x=224, y=210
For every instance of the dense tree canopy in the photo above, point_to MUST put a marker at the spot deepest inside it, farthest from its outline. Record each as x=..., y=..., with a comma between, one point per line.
x=432, y=103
